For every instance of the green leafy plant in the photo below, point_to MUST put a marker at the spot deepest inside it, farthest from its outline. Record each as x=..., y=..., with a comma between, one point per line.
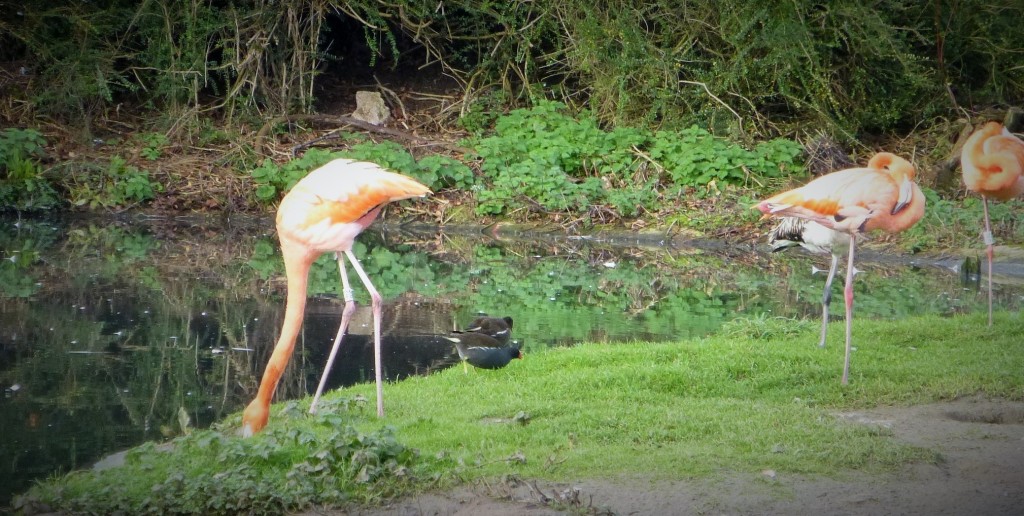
x=117, y=186
x=26, y=143
x=694, y=157
x=436, y=172
x=152, y=145
x=545, y=158
x=22, y=184
x=272, y=179
x=284, y=470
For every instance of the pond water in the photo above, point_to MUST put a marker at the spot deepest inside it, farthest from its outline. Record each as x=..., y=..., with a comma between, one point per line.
x=115, y=330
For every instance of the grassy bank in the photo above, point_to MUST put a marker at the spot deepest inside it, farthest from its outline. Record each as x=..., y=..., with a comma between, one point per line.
x=758, y=396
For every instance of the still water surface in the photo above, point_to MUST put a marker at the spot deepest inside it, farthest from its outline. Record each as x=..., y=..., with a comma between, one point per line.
x=114, y=331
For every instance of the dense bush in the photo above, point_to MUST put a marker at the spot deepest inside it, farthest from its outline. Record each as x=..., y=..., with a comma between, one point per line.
x=745, y=67
x=173, y=55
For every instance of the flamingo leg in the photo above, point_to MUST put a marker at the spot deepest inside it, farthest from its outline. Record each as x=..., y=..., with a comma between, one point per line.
x=375, y=304
x=848, y=297
x=346, y=316
x=989, y=243
x=826, y=299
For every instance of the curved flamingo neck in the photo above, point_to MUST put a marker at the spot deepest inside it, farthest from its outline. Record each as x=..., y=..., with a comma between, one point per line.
x=297, y=265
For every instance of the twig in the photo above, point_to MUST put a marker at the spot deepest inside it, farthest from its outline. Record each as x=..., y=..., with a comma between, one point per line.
x=394, y=96
x=712, y=95
x=343, y=120
x=544, y=499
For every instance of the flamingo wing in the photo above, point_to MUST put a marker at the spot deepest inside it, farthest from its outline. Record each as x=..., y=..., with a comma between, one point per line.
x=344, y=191
x=334, y=203
x=835, y=201
x=993, y=162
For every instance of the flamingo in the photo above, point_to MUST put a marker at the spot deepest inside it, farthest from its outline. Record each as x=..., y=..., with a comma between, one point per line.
x=993, y=165
x=854, y=201
x=324, y=212
x=814, y=237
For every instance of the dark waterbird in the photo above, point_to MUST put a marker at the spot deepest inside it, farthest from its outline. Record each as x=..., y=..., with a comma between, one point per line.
x=500, y=328
x=483, y=351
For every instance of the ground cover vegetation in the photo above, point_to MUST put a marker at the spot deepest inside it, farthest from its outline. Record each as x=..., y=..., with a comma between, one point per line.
x=759, y=396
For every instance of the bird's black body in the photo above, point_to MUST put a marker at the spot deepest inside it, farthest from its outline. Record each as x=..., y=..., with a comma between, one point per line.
x=792, y=232
x=499, y=328
x=483, y=351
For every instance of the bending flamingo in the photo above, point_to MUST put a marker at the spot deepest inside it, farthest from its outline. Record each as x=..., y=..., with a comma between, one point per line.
x=854, y=201
x=993, y=162
x=324, y=212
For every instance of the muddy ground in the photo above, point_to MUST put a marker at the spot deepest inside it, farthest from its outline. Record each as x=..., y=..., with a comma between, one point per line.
x=979, y=469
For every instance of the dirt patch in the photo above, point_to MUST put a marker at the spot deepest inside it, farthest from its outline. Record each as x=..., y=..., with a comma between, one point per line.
x=979, y=446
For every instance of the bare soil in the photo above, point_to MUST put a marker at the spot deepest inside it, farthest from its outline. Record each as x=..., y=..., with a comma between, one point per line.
x=979, y=469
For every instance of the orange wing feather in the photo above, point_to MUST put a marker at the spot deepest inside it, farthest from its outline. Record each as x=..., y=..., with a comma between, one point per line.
x=855, y=199
x=341, y=192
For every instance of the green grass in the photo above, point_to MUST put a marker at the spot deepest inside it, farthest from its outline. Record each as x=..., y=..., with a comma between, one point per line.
x=756, y=397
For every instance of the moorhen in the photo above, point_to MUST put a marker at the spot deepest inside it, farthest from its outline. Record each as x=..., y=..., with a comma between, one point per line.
x=483, y=351
x=500, y=328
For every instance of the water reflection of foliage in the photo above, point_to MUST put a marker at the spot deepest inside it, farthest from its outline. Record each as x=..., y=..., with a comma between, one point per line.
x=108, y=350
x=571, y=291
x=884, y=291
x=22, y=242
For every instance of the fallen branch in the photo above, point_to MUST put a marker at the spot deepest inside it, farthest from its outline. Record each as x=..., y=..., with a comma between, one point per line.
x=342, y=121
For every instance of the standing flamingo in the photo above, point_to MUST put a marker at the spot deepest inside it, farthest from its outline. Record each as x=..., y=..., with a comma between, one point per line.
x=854, y=201
x=993, y=162
x=324, y=212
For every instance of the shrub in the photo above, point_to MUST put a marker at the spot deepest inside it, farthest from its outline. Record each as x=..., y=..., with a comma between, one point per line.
x=436, y=172
x=543, y=158
x=22, y=183
x=119, y=185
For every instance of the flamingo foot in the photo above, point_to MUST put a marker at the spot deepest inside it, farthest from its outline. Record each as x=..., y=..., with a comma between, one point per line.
x=254, y=418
